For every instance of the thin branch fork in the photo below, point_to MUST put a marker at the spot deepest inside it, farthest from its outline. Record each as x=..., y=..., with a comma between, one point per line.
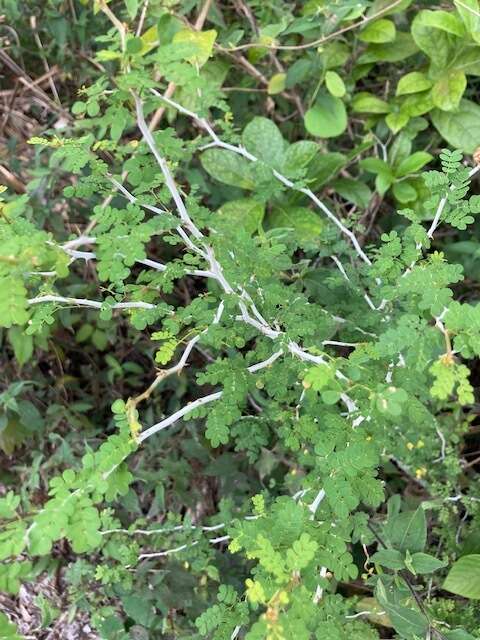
x=259, y=322
x=201, y=401
x=217, y=142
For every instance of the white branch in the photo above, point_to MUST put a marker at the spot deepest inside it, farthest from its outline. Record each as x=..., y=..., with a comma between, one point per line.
x=90, y=255
x=441, y=206
x=83, y=302
x=217, y=142
x=341, y=268
x=182, y=547
x=162, y=163
x=163, y=424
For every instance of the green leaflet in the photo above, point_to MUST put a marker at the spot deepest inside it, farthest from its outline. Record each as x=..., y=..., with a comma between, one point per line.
x=327, y=118
x=461, y=128
x=229, y=168
x=463, y=578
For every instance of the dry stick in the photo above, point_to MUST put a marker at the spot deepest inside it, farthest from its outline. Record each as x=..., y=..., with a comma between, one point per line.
x=33, y=24
x=323, y=39
x=32, y=85
x=141, y=22
x=116, y=23
x=15, y=183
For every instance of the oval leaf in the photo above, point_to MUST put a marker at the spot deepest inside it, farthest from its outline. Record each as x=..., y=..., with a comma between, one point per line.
x=327, y=119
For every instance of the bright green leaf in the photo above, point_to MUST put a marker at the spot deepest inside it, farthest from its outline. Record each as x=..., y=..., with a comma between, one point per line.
x=327, y=118
x=463, y=579
x=379, y=31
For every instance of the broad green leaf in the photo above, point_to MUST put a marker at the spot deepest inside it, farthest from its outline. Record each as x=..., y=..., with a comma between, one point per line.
x=139, y=609
x=413, y=83
x=390, y=400
x=383, y=6
x=437, y=43
x=149, y=39
x=132, y=8
x=228, y=167
x=390, y=558
x=470, y=61
x=404, y=192
x=409, y=623
x=335, y=54
x=448, y=90
x=134, y=45
x=413, y=163
x=380, y=31
x=327, y=118
x=444, y=20
x=8, y=631
x=463, y=579
x=202, y=42
x=262, y=138
x=402, y=47
x=408, y=531
x=365, y=102
x=375, y=165
x=459, y=634
x=383, y=182
x=166, y=28
x=376, y=614
x=325, y=167
x=425, y=563
x=354, y=191
x=469, y=11
x=298, y=155
x=306, y=224
x=461, y=128
x=246, y=213
x=397, y=120
x=22, y=344
x=335, y=84
x=276, y=84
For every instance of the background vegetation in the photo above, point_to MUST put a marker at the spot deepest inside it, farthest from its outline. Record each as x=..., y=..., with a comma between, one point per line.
x=239, y=268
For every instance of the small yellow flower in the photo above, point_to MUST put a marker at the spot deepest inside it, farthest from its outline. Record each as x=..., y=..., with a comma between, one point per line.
x=420, y=473
x=420, y=444
x=410, y=446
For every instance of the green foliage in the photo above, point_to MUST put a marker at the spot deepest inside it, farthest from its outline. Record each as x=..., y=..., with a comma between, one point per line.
x=231, y=337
